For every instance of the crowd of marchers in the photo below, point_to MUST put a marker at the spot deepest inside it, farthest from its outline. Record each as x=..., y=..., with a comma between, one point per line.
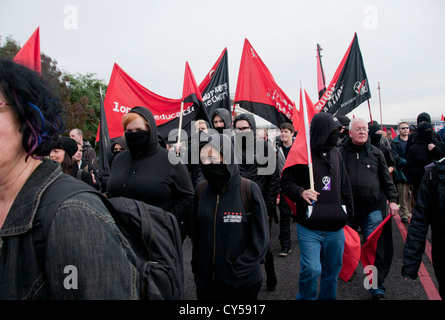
x=225, y=202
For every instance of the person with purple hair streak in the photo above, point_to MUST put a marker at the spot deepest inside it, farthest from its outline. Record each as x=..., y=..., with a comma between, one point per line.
x=85, y=254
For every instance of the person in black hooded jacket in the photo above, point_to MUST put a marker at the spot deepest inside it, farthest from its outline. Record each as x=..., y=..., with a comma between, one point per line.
x=428, y=211
x=320, y=226
x=422, y=153
x=144, y=171
x=222, y=121
x=229, y=240
x=257, y=162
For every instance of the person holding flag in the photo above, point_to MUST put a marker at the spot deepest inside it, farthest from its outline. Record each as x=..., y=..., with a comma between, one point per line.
x=372, y=187
x=322, y=210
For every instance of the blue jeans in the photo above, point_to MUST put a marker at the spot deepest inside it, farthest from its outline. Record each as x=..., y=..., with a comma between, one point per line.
x=321, y=254
x=368, y=224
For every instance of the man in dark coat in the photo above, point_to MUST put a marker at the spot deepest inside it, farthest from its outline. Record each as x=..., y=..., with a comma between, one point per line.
x=372, y=186
x=422, y=153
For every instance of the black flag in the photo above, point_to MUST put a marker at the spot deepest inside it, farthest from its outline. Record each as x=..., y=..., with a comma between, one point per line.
x=215, y=87
x=349, y=86
x=105, y=154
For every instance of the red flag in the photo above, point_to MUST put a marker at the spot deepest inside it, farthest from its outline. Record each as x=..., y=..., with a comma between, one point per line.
x=443, y=118
x=257, y=91
x=321, y=82
x=298, y=153
x=393, y=133
x=124, y=93
x=351, y=253
x=29, y=54
x=192, y=94
x=369, y=249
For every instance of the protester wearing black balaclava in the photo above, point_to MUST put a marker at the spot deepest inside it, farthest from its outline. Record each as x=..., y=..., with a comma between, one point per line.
x=229, y=240
x=144, y=171
x=424, y=151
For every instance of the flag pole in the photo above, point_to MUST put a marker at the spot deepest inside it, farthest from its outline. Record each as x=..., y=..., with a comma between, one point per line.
x=380, y=103
x=369, y=107
x=308, y=142
x=180, y=122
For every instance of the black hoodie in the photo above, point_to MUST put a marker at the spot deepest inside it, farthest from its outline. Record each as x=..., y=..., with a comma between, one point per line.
x=330, y=180
x=225, y=116
x=419, y=155
x=151, y=177
x=228, y=242
x=257, y=161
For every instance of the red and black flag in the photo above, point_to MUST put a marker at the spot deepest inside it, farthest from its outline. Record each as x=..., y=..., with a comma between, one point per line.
x=321, y=81
x=193, y=107
x=29, y=54
x=349, y=87
x=215, y=86
x=257, y=91
x=378, y=249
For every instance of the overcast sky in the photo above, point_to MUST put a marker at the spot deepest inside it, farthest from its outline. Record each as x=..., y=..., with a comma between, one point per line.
x=402, y=43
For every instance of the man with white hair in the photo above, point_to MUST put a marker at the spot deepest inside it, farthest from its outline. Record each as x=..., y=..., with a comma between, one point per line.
x=372, y=186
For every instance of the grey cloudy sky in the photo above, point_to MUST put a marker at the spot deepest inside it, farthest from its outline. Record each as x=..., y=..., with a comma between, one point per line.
x=402, y=43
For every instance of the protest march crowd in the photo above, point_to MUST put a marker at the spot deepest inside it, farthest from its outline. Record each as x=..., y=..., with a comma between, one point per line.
x=69, y=229
x=222, y=204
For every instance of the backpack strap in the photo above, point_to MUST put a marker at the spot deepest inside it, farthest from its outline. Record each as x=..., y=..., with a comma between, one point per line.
x=60, y=190
x=246, y=195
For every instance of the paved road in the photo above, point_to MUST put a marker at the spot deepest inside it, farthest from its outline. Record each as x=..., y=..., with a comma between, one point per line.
x=287, y=273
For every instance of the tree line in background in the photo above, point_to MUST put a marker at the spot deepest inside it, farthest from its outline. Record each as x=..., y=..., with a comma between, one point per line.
x=79, y=93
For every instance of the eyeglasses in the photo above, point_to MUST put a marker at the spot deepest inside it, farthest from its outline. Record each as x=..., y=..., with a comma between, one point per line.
x=361, y=129
x=242, y=129
x=404, y=128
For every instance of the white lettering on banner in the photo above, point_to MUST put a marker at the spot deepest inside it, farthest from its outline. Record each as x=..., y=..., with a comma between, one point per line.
x=281, y=103
x=326, y=96
x=218, y=93
x=120, y=109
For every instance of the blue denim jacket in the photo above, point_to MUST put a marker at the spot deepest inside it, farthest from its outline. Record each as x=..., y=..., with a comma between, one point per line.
x=87, y=257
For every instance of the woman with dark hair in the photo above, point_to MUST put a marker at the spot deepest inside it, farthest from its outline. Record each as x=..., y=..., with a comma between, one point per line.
x=64, y=153
x=81, y=234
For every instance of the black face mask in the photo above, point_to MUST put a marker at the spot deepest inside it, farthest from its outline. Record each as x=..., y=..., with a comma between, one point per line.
x=331, y=141
x=216, y=174
x=138, y=141
x=219, y=130
x=426, y=136
x=375, y=139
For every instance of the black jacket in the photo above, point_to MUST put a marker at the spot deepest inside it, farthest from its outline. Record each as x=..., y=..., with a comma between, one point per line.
x=151, y=177
x=429, y=210
x=419, y=155
x=370, y=180
x=330, y=180
x=229, y=243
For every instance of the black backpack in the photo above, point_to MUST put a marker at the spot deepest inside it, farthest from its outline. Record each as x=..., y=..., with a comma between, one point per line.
x=152, y=232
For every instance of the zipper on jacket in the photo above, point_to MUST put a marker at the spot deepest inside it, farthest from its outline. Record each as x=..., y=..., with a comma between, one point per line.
x=214, y=239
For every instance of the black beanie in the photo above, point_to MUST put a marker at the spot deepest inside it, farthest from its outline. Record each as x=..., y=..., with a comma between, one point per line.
x=69, y=145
